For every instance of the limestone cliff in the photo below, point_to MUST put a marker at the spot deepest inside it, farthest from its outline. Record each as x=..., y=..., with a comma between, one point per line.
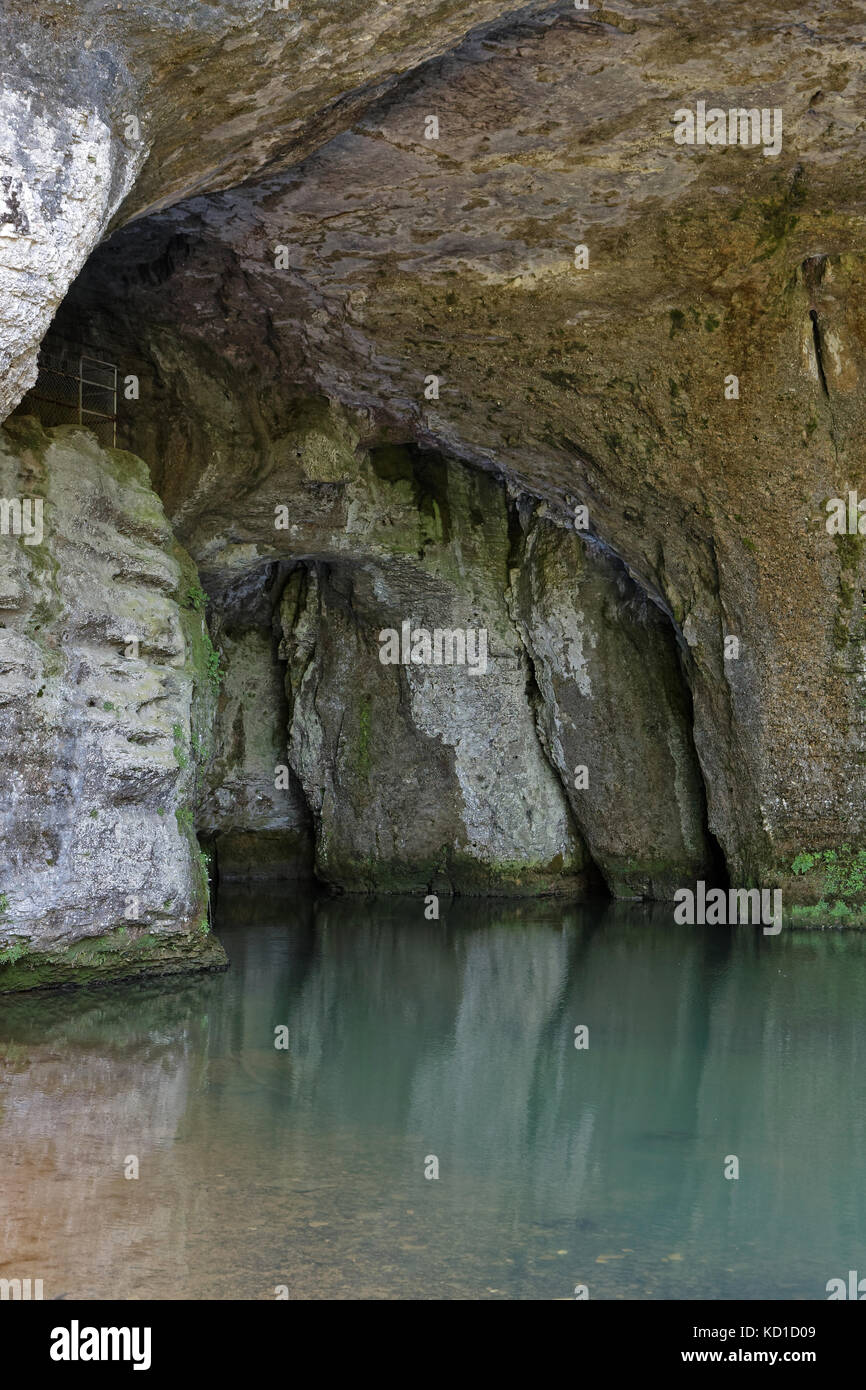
x=433, y=318
x=104, y=690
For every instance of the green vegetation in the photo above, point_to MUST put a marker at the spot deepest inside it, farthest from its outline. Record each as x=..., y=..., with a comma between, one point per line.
x=12, y=953
x=196, y=598
x=179, y=754
x=844, y=871
x=214, y=674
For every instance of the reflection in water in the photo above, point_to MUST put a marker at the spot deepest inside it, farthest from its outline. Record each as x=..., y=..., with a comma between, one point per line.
x=305, y=1167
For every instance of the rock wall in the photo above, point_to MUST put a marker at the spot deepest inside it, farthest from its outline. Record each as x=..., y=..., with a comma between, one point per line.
x=425, y=299
x=614, y=712
x=252, y=810
x=104, y=690
x=107, y=112
x=694, y=380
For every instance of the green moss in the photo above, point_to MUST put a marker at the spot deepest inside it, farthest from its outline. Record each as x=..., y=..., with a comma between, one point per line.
x=116, y=955
x=841, y=634
x=824, y=914
x=214, y=674
x=179, y=755
x=849, y=550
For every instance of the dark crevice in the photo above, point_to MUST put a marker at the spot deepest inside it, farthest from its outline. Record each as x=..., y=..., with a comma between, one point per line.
x=718, y=875
x=819, y=351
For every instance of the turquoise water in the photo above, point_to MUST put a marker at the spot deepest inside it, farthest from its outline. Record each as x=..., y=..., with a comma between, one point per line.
x=411, y=1040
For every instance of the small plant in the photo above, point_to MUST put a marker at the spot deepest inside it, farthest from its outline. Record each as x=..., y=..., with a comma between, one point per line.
x=214, y=674
x=179, y=755
x=4, y=904
x=183, y=815
x=196, y=597
x=12, y=953
x=844, y=872
x=107, y=705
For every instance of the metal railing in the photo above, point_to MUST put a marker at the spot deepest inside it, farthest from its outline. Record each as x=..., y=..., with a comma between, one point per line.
x=74, y=387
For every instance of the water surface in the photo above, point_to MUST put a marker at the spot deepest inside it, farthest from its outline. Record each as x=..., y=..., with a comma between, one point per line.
x=409, y=1040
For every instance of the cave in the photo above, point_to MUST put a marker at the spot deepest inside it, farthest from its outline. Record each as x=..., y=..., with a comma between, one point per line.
x=321, y=762
x=431, y=565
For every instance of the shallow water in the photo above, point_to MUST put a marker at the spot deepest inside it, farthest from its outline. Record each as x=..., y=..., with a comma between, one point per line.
x=305, y=1167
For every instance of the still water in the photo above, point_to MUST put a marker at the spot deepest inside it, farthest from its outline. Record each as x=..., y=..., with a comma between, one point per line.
x=409, y=1040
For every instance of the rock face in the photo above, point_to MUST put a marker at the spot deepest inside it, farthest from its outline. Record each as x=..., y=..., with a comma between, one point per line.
x=421, y=775
x=693, y=379
x=252, y=810
x=614, y=713
x=494, y=289
x=99, y=97
x=99, y=868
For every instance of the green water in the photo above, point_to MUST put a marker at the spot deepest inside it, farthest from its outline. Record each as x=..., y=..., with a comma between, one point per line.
x=408, y=1039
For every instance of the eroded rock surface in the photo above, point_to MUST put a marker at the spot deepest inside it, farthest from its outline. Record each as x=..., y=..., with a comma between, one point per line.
x=102, y=690
x=107, y=105
x=614, y=713
x=252, y=809
x=423, y=775
x=610, y=386
x=694, y=378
